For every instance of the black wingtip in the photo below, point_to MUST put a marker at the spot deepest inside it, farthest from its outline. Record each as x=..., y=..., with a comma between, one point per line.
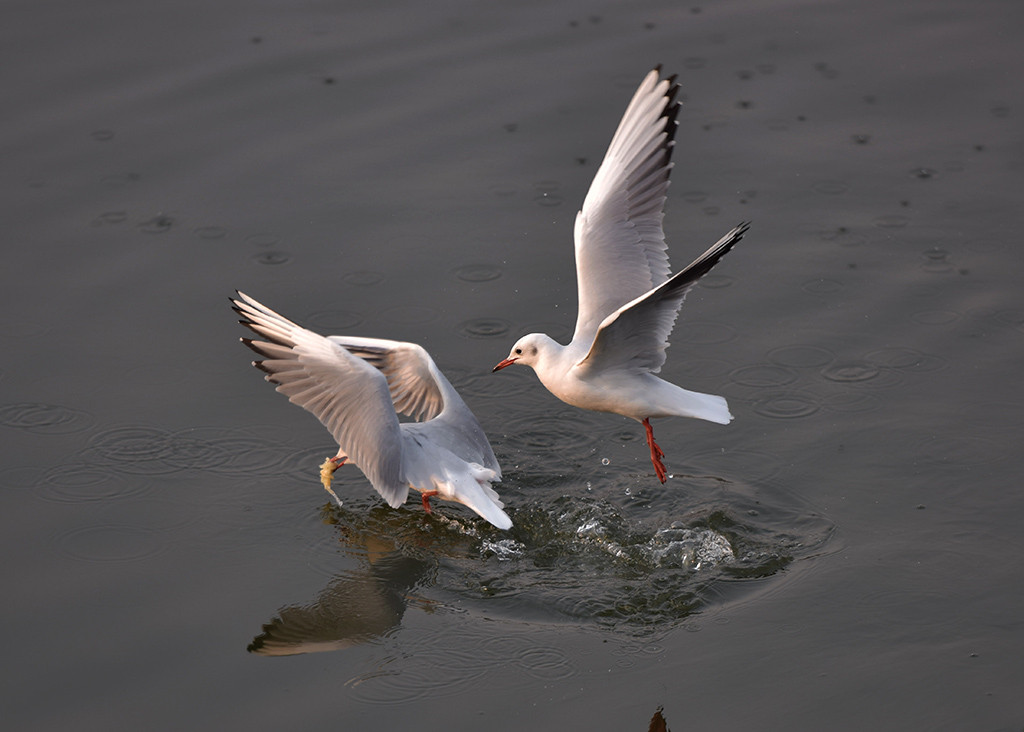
x=269, y=374
x=250, y=343
x=706, y=261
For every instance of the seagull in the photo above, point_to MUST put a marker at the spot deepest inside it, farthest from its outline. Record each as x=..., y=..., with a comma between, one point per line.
x=628, y=302
x=357, y=387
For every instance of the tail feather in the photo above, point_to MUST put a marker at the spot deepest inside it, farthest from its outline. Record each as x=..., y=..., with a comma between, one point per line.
x=711, y=407
x=479, y=496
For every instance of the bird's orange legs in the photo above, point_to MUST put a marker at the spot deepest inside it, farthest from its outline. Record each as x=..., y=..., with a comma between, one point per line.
x=656, y=452
x=426, y=499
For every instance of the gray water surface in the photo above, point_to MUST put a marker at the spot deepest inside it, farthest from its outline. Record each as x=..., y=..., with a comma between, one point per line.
x=846, y=555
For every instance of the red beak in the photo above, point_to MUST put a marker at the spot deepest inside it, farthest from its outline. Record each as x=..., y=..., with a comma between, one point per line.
x=503, y=364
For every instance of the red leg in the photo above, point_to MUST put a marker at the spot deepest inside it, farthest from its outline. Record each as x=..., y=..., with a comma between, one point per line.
x=656, y=452
x=426, y=499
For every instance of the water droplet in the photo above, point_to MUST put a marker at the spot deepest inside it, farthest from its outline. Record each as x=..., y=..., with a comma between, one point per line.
x=548, y=200
x=272, y=258
x=158, y=224
x=604, y=461
x=923, y=173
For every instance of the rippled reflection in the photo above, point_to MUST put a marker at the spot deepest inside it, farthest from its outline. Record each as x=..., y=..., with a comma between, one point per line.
x=355, y=608
x=568, y=559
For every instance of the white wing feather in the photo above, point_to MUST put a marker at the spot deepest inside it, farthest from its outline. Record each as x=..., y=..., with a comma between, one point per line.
x=636, y=335
x=620, y=243
x=349, y=396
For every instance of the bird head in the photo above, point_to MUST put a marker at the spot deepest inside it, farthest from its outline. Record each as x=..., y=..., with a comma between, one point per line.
x=526, y=351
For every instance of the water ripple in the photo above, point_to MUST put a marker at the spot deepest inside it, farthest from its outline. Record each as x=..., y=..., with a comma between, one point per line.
x=573, y=559
x=787, y=405
x=478, y=272
x=110, y=543
x=801, y=357
x=565, y=432
x=847, y=371
x=702, y=368
x=363, y=278
x=335, y=321
x=83, y=483
x=962, y=451
x=907, y=359
x=271, y=258
x=852, y=402
x=484, y=328
x=764, y=375
x=45, y=419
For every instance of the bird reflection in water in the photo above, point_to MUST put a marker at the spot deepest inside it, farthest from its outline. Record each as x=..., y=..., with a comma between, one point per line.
x=364, y=603
x=356, y=607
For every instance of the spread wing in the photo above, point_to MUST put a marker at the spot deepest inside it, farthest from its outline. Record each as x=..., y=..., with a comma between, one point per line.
x=409, y=371
x=636, y=335
x=620, y=244
x=348, y=395
x=420, y=390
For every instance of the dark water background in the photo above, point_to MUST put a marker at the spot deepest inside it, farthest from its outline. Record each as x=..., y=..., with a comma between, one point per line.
x=411, y=171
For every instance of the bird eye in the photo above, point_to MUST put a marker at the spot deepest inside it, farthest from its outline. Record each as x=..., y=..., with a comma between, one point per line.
x=519, y=350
